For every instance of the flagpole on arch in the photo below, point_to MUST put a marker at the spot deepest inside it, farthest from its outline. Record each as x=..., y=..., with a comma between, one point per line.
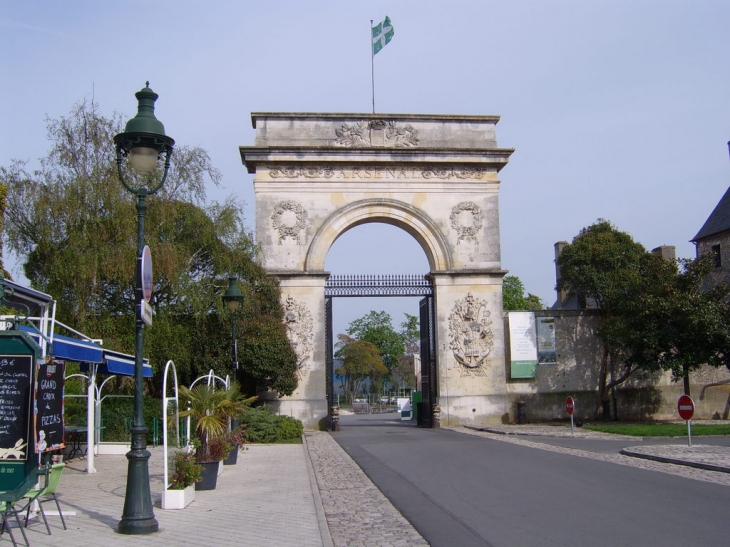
x=372, y=63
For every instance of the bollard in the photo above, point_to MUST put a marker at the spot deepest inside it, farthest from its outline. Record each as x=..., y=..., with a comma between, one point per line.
x=521, y=418
x=335, y=418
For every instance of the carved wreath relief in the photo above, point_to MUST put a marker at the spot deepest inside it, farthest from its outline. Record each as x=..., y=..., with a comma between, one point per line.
x=289, y=218
x=466, y=219
x=376, y=133
x=299, y=325
x=471, y=334
x=289, y=172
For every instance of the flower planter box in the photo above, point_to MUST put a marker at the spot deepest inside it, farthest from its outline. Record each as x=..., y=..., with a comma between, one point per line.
x=108, y=448
x=178, y=499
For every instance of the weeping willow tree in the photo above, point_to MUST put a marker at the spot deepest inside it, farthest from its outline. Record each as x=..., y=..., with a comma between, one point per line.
x=73, y=226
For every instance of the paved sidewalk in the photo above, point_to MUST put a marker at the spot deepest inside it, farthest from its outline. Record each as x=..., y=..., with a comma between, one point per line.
x=269, y=498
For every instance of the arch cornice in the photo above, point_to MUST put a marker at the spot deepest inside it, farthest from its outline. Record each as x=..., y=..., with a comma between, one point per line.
x=388, y=211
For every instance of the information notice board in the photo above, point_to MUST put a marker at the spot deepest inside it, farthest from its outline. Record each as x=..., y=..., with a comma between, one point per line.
x=523, y=344
x=49, y=420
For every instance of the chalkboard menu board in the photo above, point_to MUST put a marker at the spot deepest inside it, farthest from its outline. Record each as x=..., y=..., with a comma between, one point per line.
x=49, y=406
x=16, y=395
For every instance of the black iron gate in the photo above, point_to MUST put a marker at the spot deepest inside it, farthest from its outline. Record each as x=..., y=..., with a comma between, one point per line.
x=388, y=285
x=428, y=365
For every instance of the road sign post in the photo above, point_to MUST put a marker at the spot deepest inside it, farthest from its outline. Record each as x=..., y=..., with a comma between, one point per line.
x=570, y=408
x=686, y=409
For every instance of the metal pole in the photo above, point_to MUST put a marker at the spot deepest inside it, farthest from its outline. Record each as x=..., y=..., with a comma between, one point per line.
x=138, y=516
x=234, y=346
x=372, y=63
x=689, y=432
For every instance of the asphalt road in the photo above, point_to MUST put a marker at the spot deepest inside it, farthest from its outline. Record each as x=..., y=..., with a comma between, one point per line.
x=460, y=491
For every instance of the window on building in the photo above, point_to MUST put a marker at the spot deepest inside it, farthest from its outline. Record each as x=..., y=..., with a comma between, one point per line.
x=715, y=250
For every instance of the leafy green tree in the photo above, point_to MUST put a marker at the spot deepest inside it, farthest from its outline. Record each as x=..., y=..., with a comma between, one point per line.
x=410, y=334
x=403, y=373
x=377, y=328
x=73, y=226
x=654, y=314
x=360, y=360
x=604, y=265
x=514, y=298
x=690, y=324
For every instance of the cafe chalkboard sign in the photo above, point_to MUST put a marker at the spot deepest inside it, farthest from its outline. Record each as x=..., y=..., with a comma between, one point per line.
x=49, y=406
x=18, y=462
x=16, y=396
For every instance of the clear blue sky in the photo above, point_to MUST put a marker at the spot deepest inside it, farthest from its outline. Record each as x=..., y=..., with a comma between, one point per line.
x=616, y=109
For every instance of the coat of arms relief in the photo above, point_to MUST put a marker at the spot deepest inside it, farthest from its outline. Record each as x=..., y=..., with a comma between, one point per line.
x=471, y=335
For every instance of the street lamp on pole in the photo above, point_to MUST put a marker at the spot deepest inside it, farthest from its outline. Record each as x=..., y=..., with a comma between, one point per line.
x=233, y=298
x=144, y=142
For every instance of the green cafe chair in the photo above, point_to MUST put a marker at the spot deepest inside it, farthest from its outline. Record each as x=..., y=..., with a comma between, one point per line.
x=53, y=476
x=7, y=509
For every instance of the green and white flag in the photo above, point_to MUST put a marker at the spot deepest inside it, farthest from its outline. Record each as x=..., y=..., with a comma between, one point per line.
x=382, y=34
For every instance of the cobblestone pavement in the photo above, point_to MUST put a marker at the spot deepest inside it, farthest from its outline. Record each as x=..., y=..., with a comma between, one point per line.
x=358, y=514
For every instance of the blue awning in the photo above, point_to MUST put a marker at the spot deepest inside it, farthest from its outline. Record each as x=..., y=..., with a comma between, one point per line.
x=67, y=348
x=84, y=352
x=121, y=363
x=73, y=349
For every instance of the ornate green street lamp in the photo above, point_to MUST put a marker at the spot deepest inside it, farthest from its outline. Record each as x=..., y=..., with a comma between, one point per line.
x=144, y=142
x=233, y=298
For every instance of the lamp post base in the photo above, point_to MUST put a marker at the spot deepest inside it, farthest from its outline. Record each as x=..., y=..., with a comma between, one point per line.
x=138, y=517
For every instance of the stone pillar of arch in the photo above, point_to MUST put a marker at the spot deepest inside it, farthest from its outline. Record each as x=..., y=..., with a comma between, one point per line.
x=318, y=175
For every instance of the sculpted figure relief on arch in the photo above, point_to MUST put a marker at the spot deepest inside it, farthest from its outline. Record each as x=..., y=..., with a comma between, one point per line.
x=389, y=134
x=471, y=335
x=299, y=330
x=289, y=219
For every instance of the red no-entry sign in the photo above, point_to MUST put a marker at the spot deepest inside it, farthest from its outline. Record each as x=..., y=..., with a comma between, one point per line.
x=686, y=407
x=569, y=405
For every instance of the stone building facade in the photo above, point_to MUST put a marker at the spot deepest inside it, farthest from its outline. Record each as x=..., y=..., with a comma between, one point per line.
x=714, y=238
x=579, y=351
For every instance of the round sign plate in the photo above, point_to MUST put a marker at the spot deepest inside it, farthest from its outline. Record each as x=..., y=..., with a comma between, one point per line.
x=686, y=407
x=146, y=273
x=569, y=405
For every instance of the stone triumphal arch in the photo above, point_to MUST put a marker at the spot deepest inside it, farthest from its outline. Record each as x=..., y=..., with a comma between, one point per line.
x=436, y=177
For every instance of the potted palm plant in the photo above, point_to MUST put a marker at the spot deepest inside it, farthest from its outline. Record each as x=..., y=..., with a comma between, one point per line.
x=211, y=410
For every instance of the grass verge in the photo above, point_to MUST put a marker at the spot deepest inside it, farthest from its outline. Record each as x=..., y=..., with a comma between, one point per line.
x=659, y=429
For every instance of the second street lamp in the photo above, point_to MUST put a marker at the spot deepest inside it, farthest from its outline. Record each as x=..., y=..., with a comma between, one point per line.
x=143, y=142
x=233, y=298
